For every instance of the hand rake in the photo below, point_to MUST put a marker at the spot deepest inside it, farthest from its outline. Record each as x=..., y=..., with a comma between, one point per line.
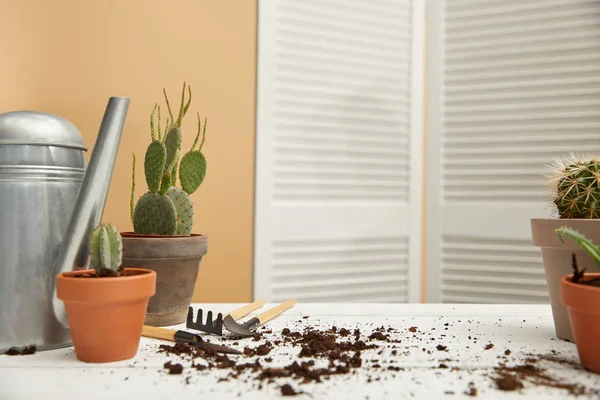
x=245, y=329
x=216, y=326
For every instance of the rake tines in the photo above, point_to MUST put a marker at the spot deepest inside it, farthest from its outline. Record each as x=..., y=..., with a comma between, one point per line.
x=210, y=326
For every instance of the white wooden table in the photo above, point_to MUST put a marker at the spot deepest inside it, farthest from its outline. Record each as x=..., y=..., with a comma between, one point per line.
x=523, y=329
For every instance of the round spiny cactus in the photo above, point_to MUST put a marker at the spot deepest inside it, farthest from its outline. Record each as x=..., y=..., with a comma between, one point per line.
x=106, y=248
x=575, y=185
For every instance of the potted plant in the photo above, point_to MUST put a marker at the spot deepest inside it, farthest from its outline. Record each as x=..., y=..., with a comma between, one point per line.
x=580, y=293
x=106, y=304
x=575, y=190
x=163, y=217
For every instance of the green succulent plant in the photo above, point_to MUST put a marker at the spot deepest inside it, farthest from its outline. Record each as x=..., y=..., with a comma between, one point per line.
x=575, y=186
x=106, y=249
x=166, y=209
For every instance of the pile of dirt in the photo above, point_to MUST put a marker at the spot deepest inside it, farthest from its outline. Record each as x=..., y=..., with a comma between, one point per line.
x=341, y=350
x=21, y=352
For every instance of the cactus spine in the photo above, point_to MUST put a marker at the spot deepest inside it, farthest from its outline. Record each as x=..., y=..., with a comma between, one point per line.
x=106, y=249
x=166, y=209
x=575, y=185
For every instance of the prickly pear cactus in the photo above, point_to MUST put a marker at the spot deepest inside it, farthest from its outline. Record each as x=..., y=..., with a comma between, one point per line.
x=173, y=145
x=155, y=161
x=575, y=184
x=185, y=210
x=166, y=209
x=192, y=168
x=192, y=171
x=106, y=248
x=155, y=213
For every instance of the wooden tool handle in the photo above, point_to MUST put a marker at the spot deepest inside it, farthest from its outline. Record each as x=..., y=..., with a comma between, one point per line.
x=242, y=311
x=158, y=333
x=275, y=311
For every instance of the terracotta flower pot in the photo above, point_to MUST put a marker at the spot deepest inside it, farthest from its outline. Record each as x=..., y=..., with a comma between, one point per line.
x=557, y=261
x=176, y=261
x=106, y=315
x=583, y=304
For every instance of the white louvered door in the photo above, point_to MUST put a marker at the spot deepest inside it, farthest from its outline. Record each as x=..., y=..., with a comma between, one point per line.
x=512, y=84
x=339, y=150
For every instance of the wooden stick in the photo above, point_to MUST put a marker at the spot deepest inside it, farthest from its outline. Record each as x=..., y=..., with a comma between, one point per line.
x=245, y=310
x=275, y=311
x=158, y=333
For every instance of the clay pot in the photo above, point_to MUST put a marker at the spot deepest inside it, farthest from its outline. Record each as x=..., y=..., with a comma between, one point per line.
x=106, y=315
x=176, y=261
x=557, y=261
x=583, y=304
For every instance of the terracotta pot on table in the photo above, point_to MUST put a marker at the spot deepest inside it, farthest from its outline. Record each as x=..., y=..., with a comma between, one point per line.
x=176, y=261
x=106, y=315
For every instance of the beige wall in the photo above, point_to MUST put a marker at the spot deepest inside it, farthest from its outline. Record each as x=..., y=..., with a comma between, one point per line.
x=69, y=56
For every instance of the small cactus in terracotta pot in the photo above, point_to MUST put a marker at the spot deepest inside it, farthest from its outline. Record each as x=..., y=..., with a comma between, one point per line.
x=106, y=299
x=580, y=292
x=574, y=194
x=163, y=217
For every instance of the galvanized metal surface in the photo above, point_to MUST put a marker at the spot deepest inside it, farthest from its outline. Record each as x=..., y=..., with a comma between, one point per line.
x=49, y=204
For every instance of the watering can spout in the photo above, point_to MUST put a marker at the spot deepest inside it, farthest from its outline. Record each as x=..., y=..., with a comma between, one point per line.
x=91, y=199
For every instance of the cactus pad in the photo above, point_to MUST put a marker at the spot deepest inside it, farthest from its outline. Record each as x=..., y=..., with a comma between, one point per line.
x=185, y=210
x=106, y=248
x=155, y=214
x=173, y=143
x=576, y=187
x=154, y=164
x=192, y=171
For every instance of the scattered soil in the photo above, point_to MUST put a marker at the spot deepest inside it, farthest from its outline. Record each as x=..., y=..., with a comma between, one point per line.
x=508, y=382
x=20, y=352
x=513, y=378
x=552, y=357
x=340, y=350
x=320, y=355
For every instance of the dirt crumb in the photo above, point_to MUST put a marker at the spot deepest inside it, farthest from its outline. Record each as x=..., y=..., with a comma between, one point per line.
x=287, y=390
x=174, y=369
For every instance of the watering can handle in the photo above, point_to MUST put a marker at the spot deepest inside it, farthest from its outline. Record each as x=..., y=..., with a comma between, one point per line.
x=91, y=199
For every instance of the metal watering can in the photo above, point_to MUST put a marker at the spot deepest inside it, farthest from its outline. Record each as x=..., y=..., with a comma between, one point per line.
x=49, y=203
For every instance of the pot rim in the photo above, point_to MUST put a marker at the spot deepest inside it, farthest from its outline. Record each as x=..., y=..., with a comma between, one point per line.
x=133, y=235
x=543, y=232
x=106, y=289
x=142, y=274
x=588, y=276
x=582, y=297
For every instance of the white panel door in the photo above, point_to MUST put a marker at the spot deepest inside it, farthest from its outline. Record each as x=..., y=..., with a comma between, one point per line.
x=512, y=84
x=339, y=150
